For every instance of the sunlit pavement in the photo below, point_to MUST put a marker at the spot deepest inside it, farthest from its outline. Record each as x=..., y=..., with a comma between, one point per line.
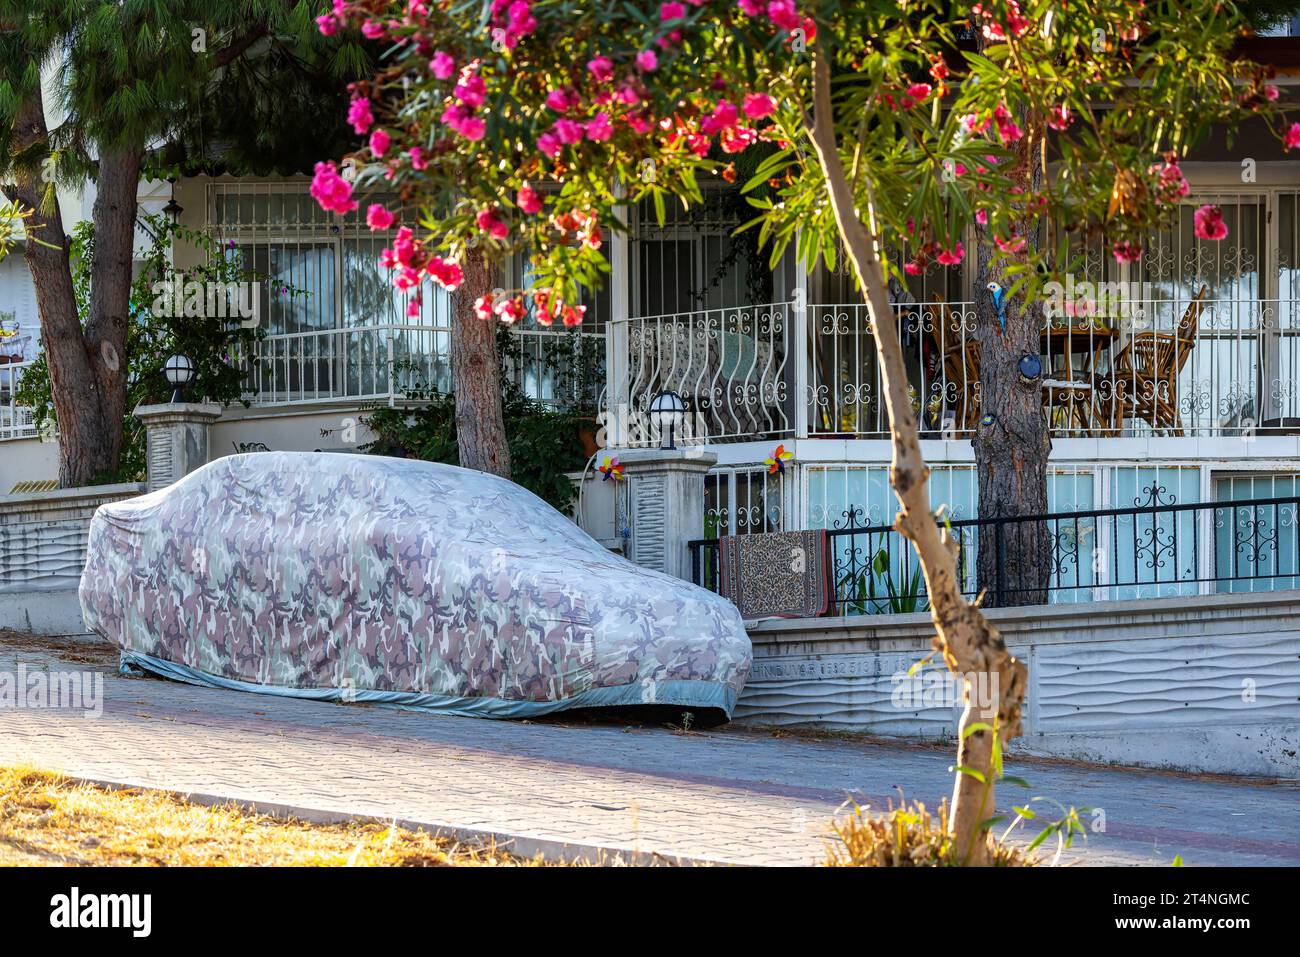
x=730, y=795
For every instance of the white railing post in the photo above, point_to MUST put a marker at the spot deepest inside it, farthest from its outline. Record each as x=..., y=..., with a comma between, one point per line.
x=798, y=327
x=618, y=401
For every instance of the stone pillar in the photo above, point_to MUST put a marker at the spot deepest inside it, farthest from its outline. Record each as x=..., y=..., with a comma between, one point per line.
x=179, y=439
x=665, y=505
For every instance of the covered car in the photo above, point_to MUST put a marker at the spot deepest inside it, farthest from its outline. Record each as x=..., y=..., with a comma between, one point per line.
x=373, y=579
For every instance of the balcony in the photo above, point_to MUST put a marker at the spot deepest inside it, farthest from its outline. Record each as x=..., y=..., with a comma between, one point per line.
x=1194, y=367
x=15, y=420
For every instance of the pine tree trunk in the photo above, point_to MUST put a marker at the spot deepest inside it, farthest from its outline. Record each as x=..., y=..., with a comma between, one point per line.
x=1012, y=442
x=88, y=444
x=116, y=204
x=476, y=374
x=970, y=645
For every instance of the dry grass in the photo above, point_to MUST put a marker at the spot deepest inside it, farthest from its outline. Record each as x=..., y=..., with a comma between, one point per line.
x=907, y=836
x=46, y=819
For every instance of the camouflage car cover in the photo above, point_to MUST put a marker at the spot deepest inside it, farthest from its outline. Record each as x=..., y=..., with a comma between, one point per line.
x=364, y=578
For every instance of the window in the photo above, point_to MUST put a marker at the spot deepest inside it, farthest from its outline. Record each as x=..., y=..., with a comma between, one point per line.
x=335, y=324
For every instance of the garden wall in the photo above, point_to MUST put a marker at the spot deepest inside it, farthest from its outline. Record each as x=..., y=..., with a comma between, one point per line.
x=42, y=553
x=1208, y=683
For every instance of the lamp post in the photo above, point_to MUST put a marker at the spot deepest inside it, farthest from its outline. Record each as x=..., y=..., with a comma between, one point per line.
x=667, y=411
x=179, y=370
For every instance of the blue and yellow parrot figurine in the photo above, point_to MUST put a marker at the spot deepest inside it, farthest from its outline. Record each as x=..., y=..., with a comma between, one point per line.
x=999, y=303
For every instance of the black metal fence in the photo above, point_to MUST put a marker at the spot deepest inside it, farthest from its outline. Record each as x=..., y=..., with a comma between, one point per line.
x=1150, y=551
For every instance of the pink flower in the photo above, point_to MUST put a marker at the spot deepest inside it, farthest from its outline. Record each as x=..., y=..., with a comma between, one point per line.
x=598, y=128
x=1013, y=244
x=473, y=128
x=528, y=200
x=1126, y=252
x=331, y=191
x=671, y=11
x=491, y=223
x=919, y=91
x=737, y=139
x=379, y=143
x=561, y=100
x=759, y=105
x=549, y=144
x=913, y=267
x=601, y=67
x=646, y=61
x=483, y=306
x=418, y=162
x=444, y=272
x=724, y=115
x=950, y=257
x=372, y=30
x=327, y=25
x=1008, y=130
x=359, y=115
x=1292, y=138
x=982, y=217
x=784, y=14
x=471, y=90
x=568, y=131
x=750, y=8
x=377, y=217
x=442, y=65
x=1060, y=118
x=1207, y=223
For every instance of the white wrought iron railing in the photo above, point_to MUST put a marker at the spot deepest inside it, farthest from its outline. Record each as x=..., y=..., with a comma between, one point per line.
x=15, y=420
x=1162, y=367
x=732, y=366
x=383, y=363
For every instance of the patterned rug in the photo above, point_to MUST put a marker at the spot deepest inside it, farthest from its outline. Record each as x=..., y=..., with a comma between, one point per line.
x=775, y=575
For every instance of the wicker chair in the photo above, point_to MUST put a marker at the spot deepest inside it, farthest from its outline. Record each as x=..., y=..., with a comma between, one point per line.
x=1143, y=381
x=961, y=363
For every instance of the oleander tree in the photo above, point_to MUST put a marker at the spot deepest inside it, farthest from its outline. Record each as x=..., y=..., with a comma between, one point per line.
x=527, y=127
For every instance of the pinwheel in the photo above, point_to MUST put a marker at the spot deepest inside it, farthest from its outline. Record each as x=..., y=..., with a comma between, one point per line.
x=611, y=470
x=776, y=461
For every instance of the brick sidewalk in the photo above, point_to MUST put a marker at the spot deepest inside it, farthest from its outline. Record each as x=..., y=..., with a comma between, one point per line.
x=745, y=797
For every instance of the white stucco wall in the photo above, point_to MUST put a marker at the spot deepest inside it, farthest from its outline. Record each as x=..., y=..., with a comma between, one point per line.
x=27, y=460
x=1205, y=684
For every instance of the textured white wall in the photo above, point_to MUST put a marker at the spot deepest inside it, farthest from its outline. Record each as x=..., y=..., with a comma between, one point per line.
x=1208, y=683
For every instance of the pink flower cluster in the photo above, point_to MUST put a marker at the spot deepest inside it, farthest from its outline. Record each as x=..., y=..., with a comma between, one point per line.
x=724, y=122
x=329, y=23
x=509, y=309
x=514, y=19
x=1291, y=139
x=461, y=113
x=1171, y=186
x=1016, y=24
x=332, y=191
x=1125, y=251
x=412, y=263
x=1207, y=223
x=784, y=15
x=1008, y=130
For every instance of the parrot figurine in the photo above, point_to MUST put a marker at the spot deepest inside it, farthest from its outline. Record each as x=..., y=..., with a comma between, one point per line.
x=999, y=303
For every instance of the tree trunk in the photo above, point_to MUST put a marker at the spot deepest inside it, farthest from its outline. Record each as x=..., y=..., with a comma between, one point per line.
x=970, y=645
x=1014, y=564
x=88, y=444
x=116, y=204
x=476, y=374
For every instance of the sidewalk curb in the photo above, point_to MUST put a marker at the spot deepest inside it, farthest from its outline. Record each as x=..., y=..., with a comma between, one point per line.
x=522, y=845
